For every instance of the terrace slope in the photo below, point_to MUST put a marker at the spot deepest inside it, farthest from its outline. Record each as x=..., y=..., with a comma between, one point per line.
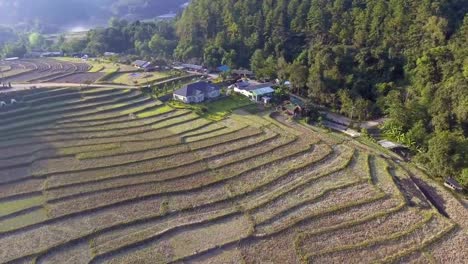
x=94, y=175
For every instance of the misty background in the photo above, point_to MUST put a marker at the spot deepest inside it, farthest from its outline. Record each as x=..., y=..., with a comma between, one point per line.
x=55, y=16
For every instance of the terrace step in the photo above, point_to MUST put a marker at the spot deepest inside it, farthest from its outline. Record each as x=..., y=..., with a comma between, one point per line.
x=124, y=126
x=382, y=226
x=109, y=118
x=389, y=247
x=335, y=199
x=120, y=118
x=27, y=149
x=62, y=107
x=68, y=178
x=453, y=241
x=25, y=106
x=139, y=128
x=105, y=107
x=302, y=188
x=32, y=113
x=47, y=93
x=85, y=181
x=62, y=191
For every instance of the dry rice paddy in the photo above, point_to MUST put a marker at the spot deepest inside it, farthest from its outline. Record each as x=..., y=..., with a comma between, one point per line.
x=112, y=176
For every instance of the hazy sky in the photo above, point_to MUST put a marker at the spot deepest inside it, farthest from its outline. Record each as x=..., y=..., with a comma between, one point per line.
x=60, y=13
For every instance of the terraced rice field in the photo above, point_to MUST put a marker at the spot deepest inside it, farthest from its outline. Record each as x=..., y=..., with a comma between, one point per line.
x=47, y=70
x=100, y=65
x=113, y=176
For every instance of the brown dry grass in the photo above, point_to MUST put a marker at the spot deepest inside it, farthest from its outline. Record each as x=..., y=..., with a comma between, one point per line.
x=379, y=248
x=175, y=187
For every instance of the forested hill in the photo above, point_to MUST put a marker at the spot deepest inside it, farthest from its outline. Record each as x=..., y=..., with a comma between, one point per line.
x=407, y=59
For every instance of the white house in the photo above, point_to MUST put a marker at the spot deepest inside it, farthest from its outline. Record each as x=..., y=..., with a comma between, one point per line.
x=197, y=92
x=254, y=91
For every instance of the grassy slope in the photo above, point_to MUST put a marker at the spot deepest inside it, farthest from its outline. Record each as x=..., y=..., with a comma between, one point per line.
x=216, y=110
x=138, y=77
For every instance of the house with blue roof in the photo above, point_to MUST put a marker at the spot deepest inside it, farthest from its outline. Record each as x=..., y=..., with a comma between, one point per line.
x=197, y=92
x=223, y=68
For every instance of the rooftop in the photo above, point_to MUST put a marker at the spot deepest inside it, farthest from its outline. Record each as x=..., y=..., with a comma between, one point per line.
x=454, y=183
x=390, y=145
x=142, y=63
x=262, y=91
x=224, y=68
x=251, y=87
x=192, y=66
x=193, y=88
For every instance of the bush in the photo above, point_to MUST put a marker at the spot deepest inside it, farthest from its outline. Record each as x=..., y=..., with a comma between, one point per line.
x=365, y=134
x=463, y=178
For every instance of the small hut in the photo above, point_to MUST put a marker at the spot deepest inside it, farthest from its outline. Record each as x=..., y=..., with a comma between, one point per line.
x=451, y=183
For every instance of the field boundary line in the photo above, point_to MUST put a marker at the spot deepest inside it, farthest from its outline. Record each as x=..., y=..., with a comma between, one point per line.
x=149, y=196
x=133, y=100
x=216, y=144
x=305, y=235
x=165, y=232
x=427, y=242
x=21, y=212
x=375, y=241
x=332, y=210
x=64, y=198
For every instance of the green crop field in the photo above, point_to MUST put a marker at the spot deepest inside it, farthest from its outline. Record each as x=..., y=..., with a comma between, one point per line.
x=138, y=77
x=94, y=175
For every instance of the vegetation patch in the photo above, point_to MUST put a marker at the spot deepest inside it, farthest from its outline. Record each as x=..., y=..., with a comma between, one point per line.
x=160, y=110
x=23, y=220
x=138, y=78
x=17, y=205
x=216, y=110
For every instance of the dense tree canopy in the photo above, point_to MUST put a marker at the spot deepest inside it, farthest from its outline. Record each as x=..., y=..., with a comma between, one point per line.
x=366, y=58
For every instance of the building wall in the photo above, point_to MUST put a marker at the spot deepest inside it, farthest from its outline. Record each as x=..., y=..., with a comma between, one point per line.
x=259, y=97
x=197, y=98
x=181, y=98
x=243, y=92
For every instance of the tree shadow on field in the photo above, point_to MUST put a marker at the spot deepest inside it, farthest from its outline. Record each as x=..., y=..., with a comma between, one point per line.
x=431, y=195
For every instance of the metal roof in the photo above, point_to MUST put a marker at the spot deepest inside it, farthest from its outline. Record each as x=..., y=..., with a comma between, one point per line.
x=193, y=88
x=254, y=86
x=390, y=145
x=453, y=182
x=262, y=91
x=224, y=68
x=142, y=63
x=192, y=66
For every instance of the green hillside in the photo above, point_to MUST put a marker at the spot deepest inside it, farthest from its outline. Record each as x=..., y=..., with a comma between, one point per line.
x=404, y=59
